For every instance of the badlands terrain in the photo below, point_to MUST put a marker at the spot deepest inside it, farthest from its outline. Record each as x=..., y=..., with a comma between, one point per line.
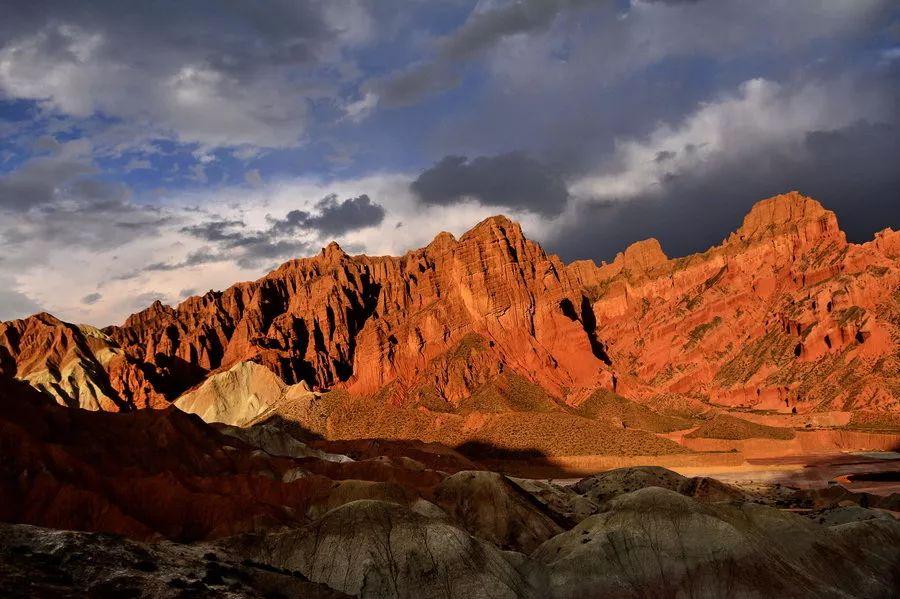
x=475, y=418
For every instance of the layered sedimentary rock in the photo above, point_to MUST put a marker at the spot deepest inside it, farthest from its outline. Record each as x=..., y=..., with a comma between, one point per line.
x=244, y=394
x=784, y=315
x=78, y=365
x=656, y=542
x=489, y=340
x=41, y=562
x=363, y=322
x=380, y=549
x=159, y=473
x=210, y=510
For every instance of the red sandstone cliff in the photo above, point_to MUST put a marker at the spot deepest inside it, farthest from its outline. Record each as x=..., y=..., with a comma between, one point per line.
x=362, y=322
x=783, y=315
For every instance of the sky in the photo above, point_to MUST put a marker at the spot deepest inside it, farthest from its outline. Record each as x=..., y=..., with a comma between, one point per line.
x=157, y=150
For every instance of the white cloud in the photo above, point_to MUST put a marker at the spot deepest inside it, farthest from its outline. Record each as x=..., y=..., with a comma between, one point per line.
x=758, y=115
x=66, y=273
x=362, y=108
x=238, y=79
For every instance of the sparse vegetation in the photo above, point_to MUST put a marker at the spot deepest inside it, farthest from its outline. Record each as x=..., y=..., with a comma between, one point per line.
x=510, y=392
x=851, y=314
x=775, y=347
x=724, y=426
x=604, y=404
x=874, y=421
x=699, y=332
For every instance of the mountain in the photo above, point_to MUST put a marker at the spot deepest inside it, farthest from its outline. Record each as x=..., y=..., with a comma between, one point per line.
x=489, y=342
x=362, y=322
x=783, y=314
x=348, y=426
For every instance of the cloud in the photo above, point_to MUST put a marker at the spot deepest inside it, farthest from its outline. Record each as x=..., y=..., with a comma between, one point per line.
x=216, y=230
x=761, y=116
x=46, y=178
x=485, y=28
x=204, y=255
x=249, y=247
x=481, y=31
x=249, y=233
x=512, y=180
x=207, y=72
x=762, y=140
x=360, y=109
x=340, y=217
x=594, y=123
x=91, y=298
x=136, y=164
x=14, y=303
x=60, y=198
x=410, y=85
x=616, y=70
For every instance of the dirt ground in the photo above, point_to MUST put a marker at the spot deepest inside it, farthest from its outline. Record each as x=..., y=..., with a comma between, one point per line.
x=806, y=472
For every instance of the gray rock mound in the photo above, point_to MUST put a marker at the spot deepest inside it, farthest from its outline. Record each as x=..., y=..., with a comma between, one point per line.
x=40, y=562
x=379, y=549
x=491, y=507
x=654, y=542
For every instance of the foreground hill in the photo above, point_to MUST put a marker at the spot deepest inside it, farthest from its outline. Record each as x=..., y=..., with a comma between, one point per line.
x=489, y=342
x=189, y=509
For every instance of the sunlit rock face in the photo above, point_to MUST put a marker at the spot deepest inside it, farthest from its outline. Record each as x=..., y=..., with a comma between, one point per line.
x=489, y=339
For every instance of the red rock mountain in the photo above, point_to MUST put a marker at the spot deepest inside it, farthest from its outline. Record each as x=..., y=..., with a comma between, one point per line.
x=784, y=317
x=362, y=322
x=783, y=314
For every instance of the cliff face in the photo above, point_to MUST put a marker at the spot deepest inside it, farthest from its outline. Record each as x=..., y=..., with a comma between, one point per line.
x=363, y=322
x=783, y=315
x=78, y=365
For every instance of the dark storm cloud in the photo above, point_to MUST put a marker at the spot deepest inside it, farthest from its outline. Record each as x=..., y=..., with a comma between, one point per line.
x=481, y=31
x=39, y=181
x=60, y=197
x=250, y=248
x=352, y=214
x=851, y=170
x=484, y=29
x=91, y=298
x=203, y=255
x=165, y=63
x=235, y=37
x=664, y=155
x=334, y=217
x=413, y=83
x=14, y=303
x=57, y=200
x=512, y=180
x=216, y=230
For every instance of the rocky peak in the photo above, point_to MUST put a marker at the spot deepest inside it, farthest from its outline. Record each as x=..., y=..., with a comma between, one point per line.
x=643, y=255
x=153, y=313
x=443, y=241
x=495, y=228
x=333, y=252
x=786, y=213
x=45, y=318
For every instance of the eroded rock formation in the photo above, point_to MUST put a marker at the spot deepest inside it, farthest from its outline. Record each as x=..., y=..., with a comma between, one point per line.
x=784, y=318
